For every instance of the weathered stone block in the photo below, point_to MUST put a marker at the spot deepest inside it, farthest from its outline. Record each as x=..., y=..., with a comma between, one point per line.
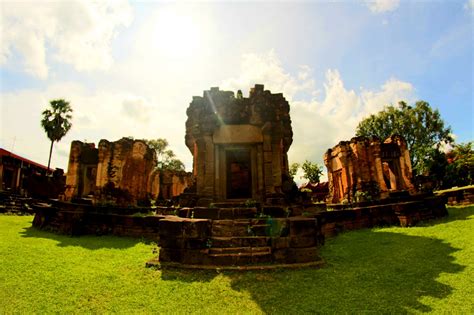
x=170, y=227
x=206, y=213
x=198, y=243
x=302, y=255
x=225, y=213
x=302, y=226
x=280, y=255
x=195, y=257
x=275, y=211
x=153, y=221
x=196, y=228
x=170, y=255
x=302, y=241
x=222, y=228
x=240, y=213
x=280, y=242
x=172, y=242
x=185, y=213
x=262, y=258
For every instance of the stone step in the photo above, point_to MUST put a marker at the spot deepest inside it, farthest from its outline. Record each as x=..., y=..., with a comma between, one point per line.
x=240, y=230
x=242, y=251
x=240, y=259
x=245, y=241
x=219, y=213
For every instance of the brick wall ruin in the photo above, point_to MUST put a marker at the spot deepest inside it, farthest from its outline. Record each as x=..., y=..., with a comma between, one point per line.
x=123, y=172
x=362, y=169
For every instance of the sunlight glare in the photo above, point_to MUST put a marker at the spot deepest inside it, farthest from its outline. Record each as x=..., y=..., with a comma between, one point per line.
x=176, y=35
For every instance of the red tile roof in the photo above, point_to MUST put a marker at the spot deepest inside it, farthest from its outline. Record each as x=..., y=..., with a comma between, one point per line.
x=4, y=152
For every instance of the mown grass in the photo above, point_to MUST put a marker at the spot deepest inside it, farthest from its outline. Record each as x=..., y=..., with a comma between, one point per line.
x=429, y=268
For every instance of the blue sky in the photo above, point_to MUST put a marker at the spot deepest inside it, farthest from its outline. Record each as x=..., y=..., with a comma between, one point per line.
x=131, y=69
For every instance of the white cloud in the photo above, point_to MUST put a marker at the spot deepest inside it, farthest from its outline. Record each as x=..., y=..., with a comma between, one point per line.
x=96, y=115
x=318, y=123
x=267, y=69
x=75, y=32
x=469, y=5
x=321, y=116
x=137, y=108
x=381, y=6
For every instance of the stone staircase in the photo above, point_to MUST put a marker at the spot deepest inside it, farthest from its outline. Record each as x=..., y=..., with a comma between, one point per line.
x=237, y=237
x=240, y=242
x=14, y=203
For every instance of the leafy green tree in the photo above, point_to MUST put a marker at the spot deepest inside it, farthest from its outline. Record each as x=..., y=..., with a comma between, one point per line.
x=437, y=167
x=56, y=122
x=460, y=168
x=312, y=171
x=166, y=158
x=420, y=125
x=293, y=169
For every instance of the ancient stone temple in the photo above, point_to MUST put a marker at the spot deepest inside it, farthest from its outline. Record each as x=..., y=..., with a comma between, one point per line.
x=124, y=170
x=368, y=168
x=239, y=144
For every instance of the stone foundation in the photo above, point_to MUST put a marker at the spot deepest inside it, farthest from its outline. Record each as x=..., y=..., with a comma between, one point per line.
x=233, y=237
x=238, y=242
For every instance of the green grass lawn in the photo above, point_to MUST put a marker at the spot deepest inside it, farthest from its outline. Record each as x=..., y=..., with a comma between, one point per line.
x=386, y=270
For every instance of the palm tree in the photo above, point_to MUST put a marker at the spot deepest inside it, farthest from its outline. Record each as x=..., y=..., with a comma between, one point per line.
x=56, y=122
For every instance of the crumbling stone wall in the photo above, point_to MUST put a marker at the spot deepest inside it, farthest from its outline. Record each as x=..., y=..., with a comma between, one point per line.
x=123, y=172
x=174, y=183
x=126, y=165
x=220, y=124
x=82, y=170
x=365, y=168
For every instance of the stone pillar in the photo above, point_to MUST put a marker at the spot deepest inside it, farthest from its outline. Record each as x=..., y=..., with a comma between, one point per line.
x=328, y=163
x=378, y=168
x=208, y=189
x=73, y=171
x=260, y=178
x=268, y=164
x=200, y=166
x=405, y=167
x=102, y=164
x=276, y=166
x=348, y=175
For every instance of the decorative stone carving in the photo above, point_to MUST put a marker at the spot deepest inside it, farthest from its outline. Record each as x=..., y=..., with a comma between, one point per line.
x=239, y=142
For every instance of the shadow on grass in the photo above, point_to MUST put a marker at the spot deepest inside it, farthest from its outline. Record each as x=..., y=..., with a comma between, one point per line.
x=455, y=214
x=366, y=271
x=86, y=241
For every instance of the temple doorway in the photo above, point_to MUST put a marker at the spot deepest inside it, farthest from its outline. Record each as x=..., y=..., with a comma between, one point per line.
x=239, y=175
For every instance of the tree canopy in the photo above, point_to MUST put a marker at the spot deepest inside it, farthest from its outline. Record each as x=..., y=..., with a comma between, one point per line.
x=420, y=125
x=56, y=122
x=460, y=168
x=293, y=169
x=166, y=158
x=312, y=171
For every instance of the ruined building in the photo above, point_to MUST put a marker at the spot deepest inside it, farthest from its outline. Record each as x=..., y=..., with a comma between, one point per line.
x=239, y=144
x=363, y=169
x=123, y=171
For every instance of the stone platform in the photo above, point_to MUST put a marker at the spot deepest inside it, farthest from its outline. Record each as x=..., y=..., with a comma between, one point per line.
x=241, y=240
x=232, y=237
